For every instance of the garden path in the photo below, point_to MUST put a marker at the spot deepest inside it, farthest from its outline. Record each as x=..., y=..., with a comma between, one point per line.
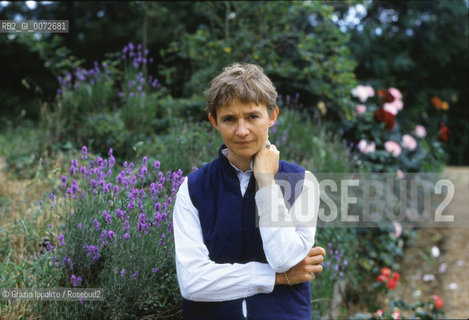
x=449, y=270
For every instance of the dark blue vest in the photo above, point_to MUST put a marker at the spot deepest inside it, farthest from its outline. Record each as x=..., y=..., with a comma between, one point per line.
x=228, y=222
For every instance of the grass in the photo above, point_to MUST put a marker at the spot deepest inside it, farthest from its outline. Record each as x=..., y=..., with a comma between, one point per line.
x=27, y=176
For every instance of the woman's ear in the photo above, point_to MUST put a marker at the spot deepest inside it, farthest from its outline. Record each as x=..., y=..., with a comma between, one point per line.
x=213, y=121
x=273, y=116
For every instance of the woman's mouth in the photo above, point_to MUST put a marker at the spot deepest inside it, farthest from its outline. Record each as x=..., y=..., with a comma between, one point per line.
x=244, y=143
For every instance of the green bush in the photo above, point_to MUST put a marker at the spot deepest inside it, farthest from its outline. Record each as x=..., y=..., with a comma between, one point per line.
x=101, y=130
x=307, y=142
x=296, y=43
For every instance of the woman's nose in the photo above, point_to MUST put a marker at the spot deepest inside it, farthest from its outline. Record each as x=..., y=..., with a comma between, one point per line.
x=242, y=129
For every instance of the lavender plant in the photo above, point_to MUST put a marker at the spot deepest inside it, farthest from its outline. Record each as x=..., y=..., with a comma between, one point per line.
x=140, y=93
x=116, y=234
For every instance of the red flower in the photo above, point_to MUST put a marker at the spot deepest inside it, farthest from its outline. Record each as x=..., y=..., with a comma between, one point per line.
x=444, y=132
x=438, y=302
x=382, y=278
x=382, y=115
x=391, y=284
x=437, y=103
x=395, y=276
x=386, y=272
x=387, y=96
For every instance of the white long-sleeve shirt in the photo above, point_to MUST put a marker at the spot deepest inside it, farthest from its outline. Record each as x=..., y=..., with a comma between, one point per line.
x=201, y=279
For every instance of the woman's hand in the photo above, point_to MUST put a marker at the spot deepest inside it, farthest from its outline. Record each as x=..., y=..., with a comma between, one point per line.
x=266, y=165
x=306, y=270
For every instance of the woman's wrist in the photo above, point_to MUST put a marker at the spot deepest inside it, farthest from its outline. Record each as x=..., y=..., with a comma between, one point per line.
x=280, y=278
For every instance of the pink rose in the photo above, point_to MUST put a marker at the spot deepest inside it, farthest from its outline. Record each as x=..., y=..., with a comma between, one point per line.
x=389, y=107
x=360, y=108
x=362, y=146
x=400, y=174
x=398, y=104
x=365, y=148
x=371, y=147
x=420, y=131
x=393, y=147
x=394, y=107
x=395, y=93
x=397, y=228
x=363, y=92
x=409, y=142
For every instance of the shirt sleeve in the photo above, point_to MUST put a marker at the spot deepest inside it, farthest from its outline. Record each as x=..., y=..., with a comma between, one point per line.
x=201, y=279
x=288, y=235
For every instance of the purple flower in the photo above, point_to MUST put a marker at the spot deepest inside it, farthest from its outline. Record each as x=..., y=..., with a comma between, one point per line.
x=127, y=236
x=107, y=216
x=54, y=261
x=162, y=240
x=79, y=226
x=155, y=270
x=112, y=161
x=84, y=151
x=96, y=224
x=64, y=181
x=111, y=235
x=126, y=225
x=120, y=214
x=122, y=272
x=92, y=251
x=67, y=262
x=49, y=226
x=52, y=197
x=157, y=206
x=142, y=172
x=76, y=281
x=61, y=240
x=135, y=275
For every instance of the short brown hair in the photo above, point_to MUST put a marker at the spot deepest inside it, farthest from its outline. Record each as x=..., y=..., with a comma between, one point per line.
x=245, y=82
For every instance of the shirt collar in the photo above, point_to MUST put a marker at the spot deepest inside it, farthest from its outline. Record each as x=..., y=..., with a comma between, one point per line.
x=225, y=153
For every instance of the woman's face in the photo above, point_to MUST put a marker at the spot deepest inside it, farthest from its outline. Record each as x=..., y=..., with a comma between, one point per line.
x=244, y=128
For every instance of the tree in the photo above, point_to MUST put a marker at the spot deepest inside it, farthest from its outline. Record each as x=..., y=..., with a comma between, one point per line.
x=296, y=43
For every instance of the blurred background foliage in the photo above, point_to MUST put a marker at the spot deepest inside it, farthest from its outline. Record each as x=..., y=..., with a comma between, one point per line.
x=316, y=49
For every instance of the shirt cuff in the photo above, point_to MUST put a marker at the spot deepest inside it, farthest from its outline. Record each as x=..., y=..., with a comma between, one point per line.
x=262, y=278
